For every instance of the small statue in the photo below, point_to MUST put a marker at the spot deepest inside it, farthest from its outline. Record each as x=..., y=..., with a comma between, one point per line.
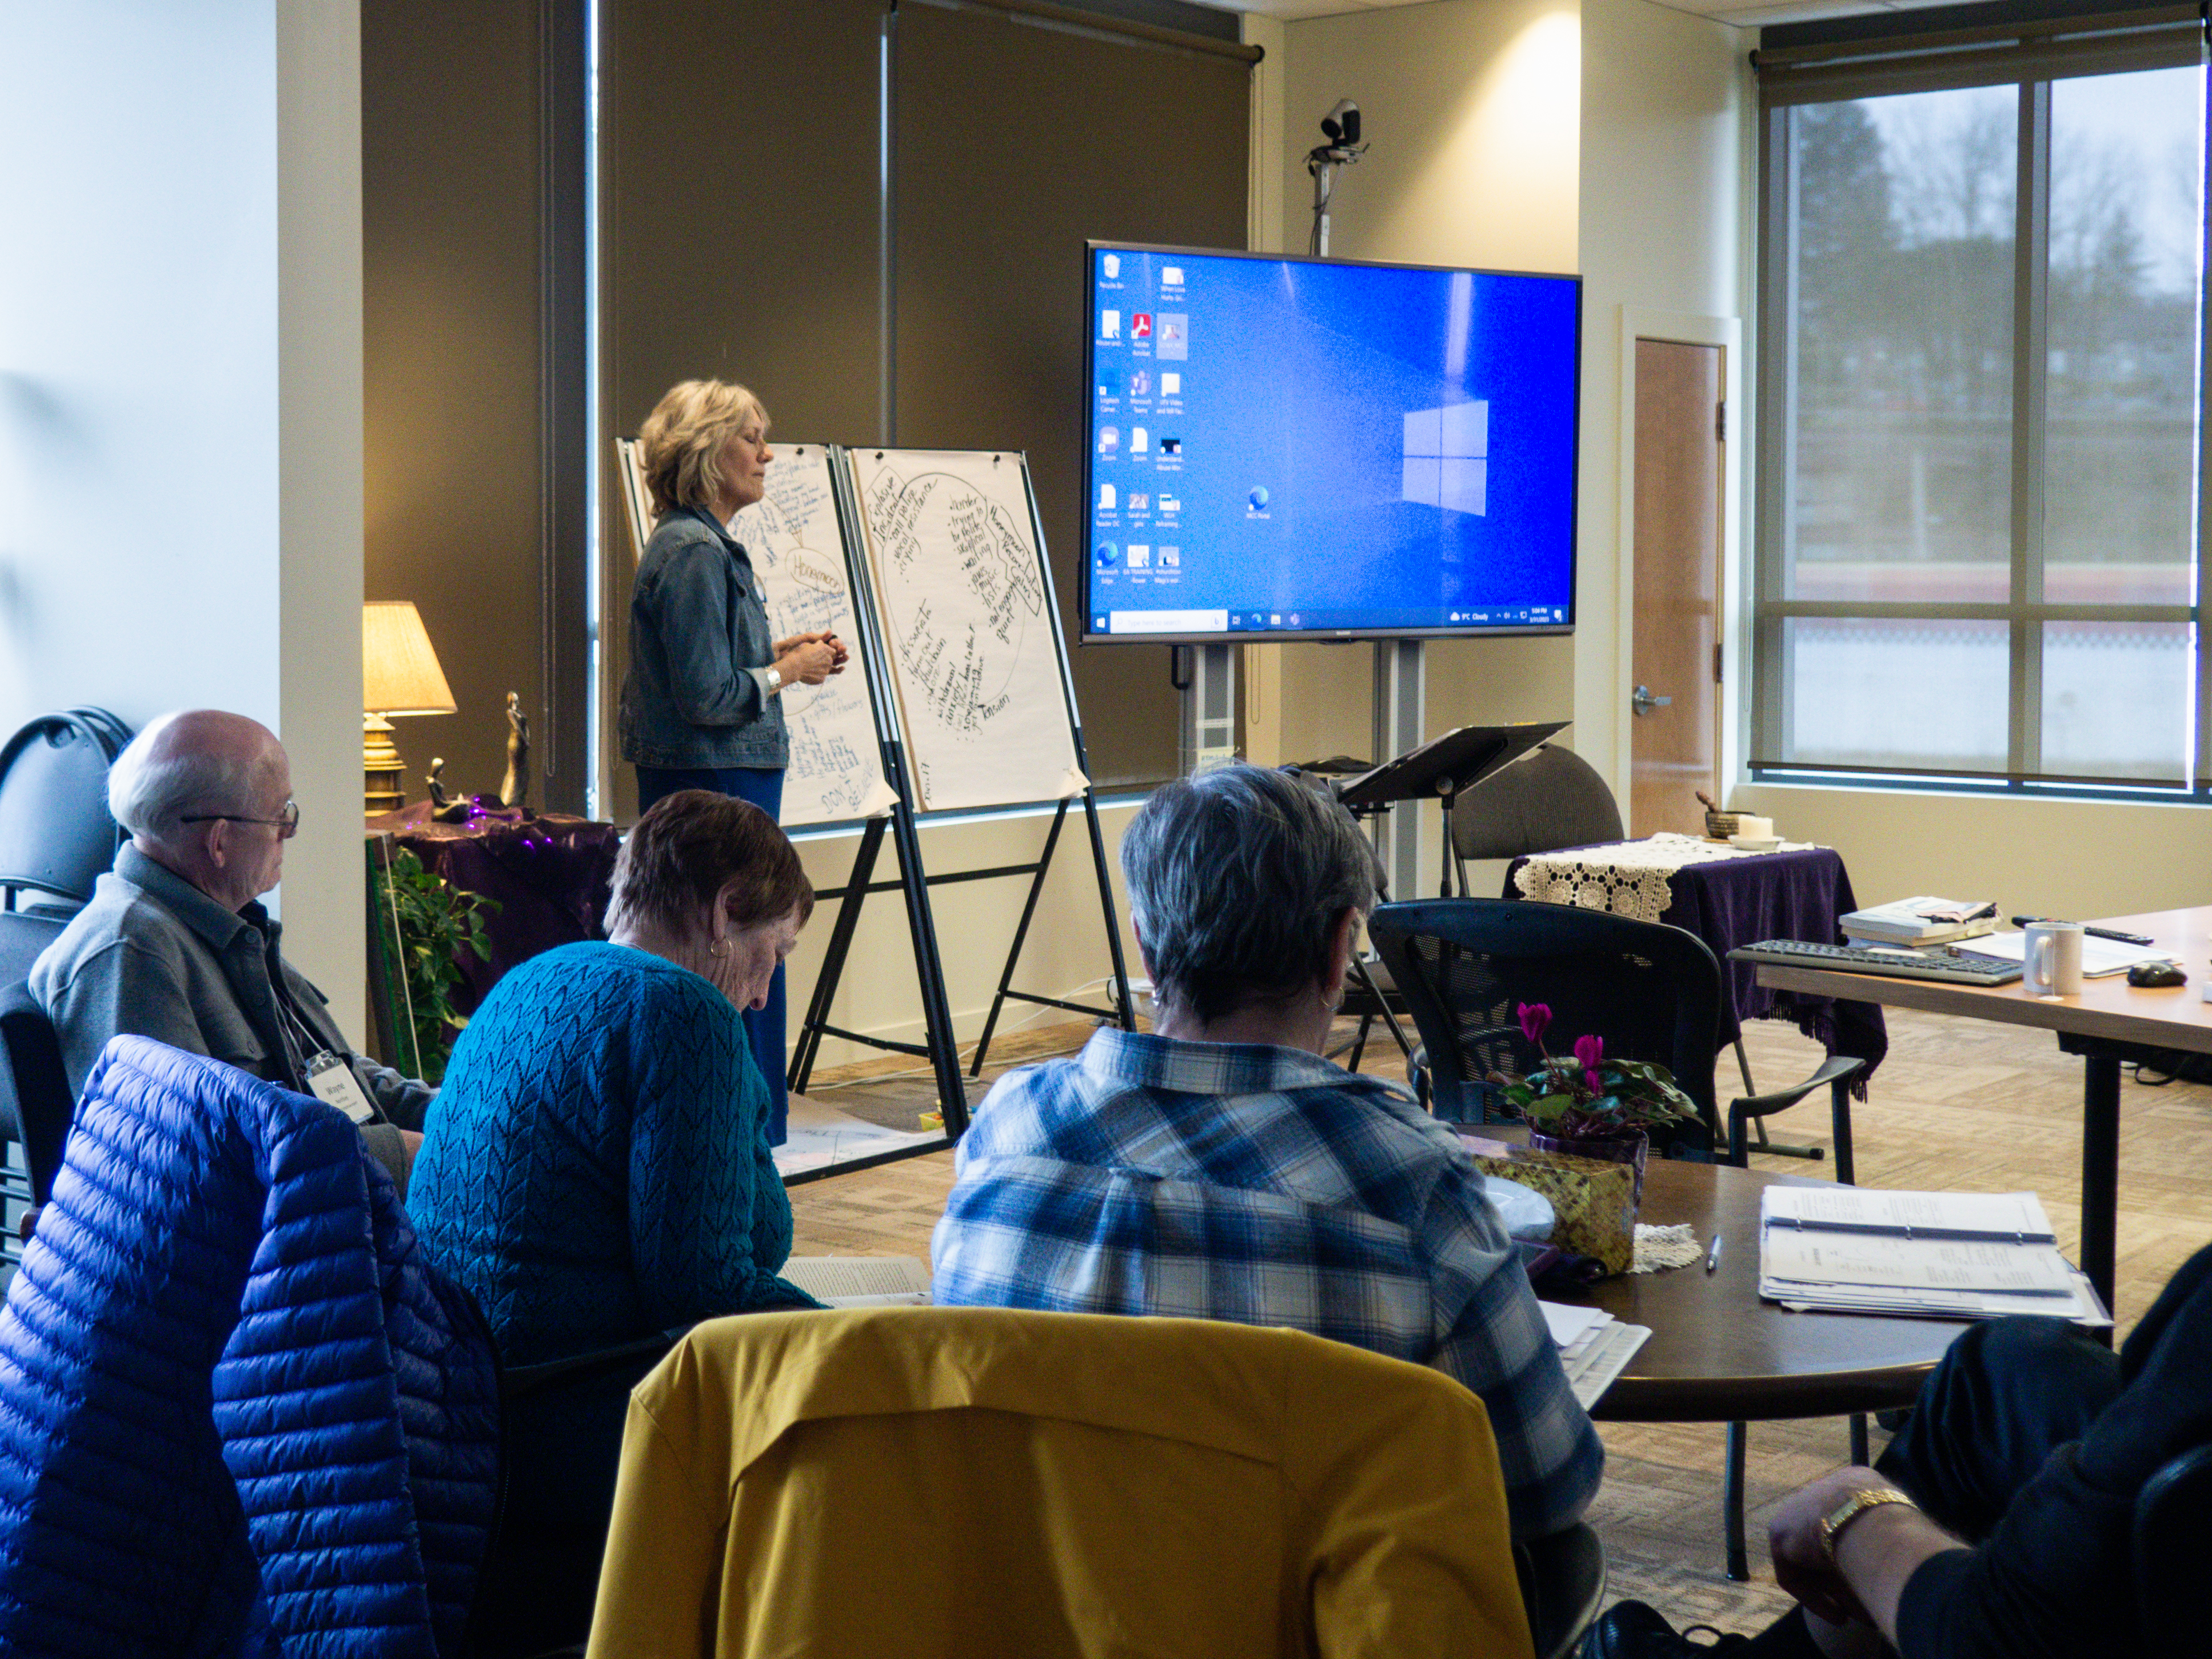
x=441, y=810
x=514, y=787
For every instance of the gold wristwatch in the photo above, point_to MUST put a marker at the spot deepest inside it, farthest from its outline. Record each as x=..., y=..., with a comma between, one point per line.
x=1867, y=1497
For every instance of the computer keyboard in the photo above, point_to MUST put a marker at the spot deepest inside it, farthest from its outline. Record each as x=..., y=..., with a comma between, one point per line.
x=1852, y=959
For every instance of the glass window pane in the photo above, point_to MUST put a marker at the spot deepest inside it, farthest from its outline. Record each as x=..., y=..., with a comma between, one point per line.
x=2115, y=700
x=1917, y=695
x=2126, y=195
x=1901, y=484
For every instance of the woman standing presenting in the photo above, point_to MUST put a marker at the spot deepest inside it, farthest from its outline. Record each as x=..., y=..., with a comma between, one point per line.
x=700, y=704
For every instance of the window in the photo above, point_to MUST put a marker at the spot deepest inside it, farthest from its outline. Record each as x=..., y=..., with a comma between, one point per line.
x=1981, y=380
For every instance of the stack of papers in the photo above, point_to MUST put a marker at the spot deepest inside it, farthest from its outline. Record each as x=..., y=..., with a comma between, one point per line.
x=1920, y=920
x=1934, y=1255
x=1594, y=1347
x=2100, y=957
x=860, y=1281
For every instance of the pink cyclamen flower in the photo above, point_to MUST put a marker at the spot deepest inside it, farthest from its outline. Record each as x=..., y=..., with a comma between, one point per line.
x=1590, y=1050
x=1536, y=1017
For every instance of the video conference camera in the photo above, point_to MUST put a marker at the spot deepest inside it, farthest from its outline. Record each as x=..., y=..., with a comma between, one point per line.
x=1340, y=126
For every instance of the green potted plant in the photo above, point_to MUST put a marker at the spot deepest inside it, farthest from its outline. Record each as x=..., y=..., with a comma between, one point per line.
x=1589, y=1106
x=436, y=923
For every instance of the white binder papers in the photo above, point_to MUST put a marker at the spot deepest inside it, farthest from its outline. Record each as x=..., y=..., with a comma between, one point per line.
x=1937, y=1255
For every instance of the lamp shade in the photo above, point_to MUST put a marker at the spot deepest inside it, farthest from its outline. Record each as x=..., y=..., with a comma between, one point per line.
x=399, y=671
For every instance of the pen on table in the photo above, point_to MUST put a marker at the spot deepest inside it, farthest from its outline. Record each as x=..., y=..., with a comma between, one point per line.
x=1713, y=1255
x=2094, y=933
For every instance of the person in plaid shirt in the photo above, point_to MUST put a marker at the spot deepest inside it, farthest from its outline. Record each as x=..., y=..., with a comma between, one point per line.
x=1218, y=1168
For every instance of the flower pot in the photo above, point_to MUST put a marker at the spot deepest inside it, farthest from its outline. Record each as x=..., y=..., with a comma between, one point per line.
x=1633, y=1149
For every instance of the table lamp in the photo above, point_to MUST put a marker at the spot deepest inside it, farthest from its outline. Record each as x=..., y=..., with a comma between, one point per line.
x=400, y=675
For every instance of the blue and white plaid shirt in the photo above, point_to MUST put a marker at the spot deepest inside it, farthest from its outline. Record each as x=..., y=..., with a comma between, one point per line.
x=1265, y=1185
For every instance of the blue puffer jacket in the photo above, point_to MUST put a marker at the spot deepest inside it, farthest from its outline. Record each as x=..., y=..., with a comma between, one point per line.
x=239, y=1414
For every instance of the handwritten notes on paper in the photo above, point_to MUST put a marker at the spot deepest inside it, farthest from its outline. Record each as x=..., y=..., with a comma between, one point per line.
x=792, y=536
x=968, y=626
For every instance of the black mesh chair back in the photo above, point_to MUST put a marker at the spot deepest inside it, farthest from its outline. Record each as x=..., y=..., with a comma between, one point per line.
x=1464, y=967
x=34, y=1091
x=56, y=837
x=1548, y=799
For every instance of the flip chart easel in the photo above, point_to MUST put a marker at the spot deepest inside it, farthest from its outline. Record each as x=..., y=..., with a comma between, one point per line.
x=968, y=667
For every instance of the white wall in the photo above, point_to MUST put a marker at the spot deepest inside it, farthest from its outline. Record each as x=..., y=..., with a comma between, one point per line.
x=180, y=394
x=1665, y=99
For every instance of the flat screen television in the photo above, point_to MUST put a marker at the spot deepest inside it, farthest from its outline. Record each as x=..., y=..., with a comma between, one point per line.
x=1326, y=449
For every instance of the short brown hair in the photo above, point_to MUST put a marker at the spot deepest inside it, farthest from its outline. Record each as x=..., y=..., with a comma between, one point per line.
x=682, y=441
x=686, y=846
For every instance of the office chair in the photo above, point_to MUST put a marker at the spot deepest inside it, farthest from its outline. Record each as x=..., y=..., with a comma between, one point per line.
x=56, y=836
x=2169, y=1533
x=794, y=1483
x=1652, y=991
x=1549, y=799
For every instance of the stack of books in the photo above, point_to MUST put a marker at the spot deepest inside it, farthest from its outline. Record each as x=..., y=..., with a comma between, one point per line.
x=1936, y=1256
x=1915, y=922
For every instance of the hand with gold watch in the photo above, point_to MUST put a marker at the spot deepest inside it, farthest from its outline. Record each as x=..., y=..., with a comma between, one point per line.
x=1866, y=1497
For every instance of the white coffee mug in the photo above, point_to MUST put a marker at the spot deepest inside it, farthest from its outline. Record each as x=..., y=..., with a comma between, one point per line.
x=2050, y=965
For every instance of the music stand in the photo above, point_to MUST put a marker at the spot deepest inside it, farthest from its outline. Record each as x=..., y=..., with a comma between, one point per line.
x=1447, y=767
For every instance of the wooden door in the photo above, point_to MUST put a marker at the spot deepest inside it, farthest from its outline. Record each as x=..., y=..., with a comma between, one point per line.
x=1675, y=699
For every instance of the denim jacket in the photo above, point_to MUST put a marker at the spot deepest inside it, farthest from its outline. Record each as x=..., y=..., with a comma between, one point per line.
x=700, y=647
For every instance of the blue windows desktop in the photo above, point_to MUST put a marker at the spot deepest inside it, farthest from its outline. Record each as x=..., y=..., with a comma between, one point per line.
x=1327, y=449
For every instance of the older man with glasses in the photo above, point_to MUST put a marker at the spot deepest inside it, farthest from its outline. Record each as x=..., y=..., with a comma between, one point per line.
x=175, y=946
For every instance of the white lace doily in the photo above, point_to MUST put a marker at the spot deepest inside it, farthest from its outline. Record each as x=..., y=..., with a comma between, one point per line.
x=1658, y=1249
x=1627, y=878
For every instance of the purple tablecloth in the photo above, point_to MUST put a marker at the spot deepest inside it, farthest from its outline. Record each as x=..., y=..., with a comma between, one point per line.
x=548, y=872
x=1793, y=895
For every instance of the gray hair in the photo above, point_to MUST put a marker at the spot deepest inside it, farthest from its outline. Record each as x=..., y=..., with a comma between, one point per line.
x=149, y=794
x=1237, y=880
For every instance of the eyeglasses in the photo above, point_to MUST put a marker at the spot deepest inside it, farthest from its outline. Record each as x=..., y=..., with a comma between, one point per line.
x=286, y=826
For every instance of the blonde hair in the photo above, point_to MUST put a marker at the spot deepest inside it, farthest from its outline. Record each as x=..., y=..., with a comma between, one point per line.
x=684, y=436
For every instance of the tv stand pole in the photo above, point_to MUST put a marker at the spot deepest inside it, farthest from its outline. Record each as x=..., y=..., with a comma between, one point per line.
x=1400, y=711
x=1209, y=703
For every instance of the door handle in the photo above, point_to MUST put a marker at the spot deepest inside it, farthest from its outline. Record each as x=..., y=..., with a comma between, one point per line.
x=1643, y=702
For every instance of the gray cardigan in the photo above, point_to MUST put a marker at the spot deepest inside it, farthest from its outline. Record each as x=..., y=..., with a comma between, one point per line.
x=154, y=956
x=700, y=647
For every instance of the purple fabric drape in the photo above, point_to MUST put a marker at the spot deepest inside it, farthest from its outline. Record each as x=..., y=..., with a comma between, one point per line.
x=1794, y=895
x=548, y=872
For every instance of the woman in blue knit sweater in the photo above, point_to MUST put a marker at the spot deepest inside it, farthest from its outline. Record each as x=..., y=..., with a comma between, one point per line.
x=597, y=1168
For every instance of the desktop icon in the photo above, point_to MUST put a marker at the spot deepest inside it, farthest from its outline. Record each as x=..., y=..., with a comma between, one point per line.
x=1139, y=502
x=1170, y=383
x=1170, y=503
x=1175, y=334
x=1139, y=441
x=1171, y=558
x=1109, y=440
x=1107, y=554
x=1106, y=498
x=1110, y=326
x=1258, y=498
x=1294, y=619
x=1275, y=621
x=1171, y=446
x=1140, y=325
x=1111, y=264
x=1140, y=384
x=1171, y=276
x=1140, y=556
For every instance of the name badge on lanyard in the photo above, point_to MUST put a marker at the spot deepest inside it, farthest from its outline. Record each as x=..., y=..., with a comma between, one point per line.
x=335, y=1085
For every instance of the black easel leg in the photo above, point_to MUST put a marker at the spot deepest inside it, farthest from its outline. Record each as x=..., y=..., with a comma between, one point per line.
x=1021, y=932
x=1121, y=997
x=833, y=959
x=929, y=968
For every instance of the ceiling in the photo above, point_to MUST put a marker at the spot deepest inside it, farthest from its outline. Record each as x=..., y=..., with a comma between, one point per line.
x=1746, y=13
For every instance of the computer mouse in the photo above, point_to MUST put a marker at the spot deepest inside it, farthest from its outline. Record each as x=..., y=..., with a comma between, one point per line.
x=2156, y=974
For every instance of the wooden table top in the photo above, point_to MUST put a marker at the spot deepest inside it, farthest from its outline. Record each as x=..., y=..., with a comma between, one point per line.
x=1717, y=1353
x=2177, y=1017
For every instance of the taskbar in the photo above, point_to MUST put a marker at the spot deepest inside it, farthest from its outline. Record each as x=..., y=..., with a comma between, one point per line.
x=1139, y=623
